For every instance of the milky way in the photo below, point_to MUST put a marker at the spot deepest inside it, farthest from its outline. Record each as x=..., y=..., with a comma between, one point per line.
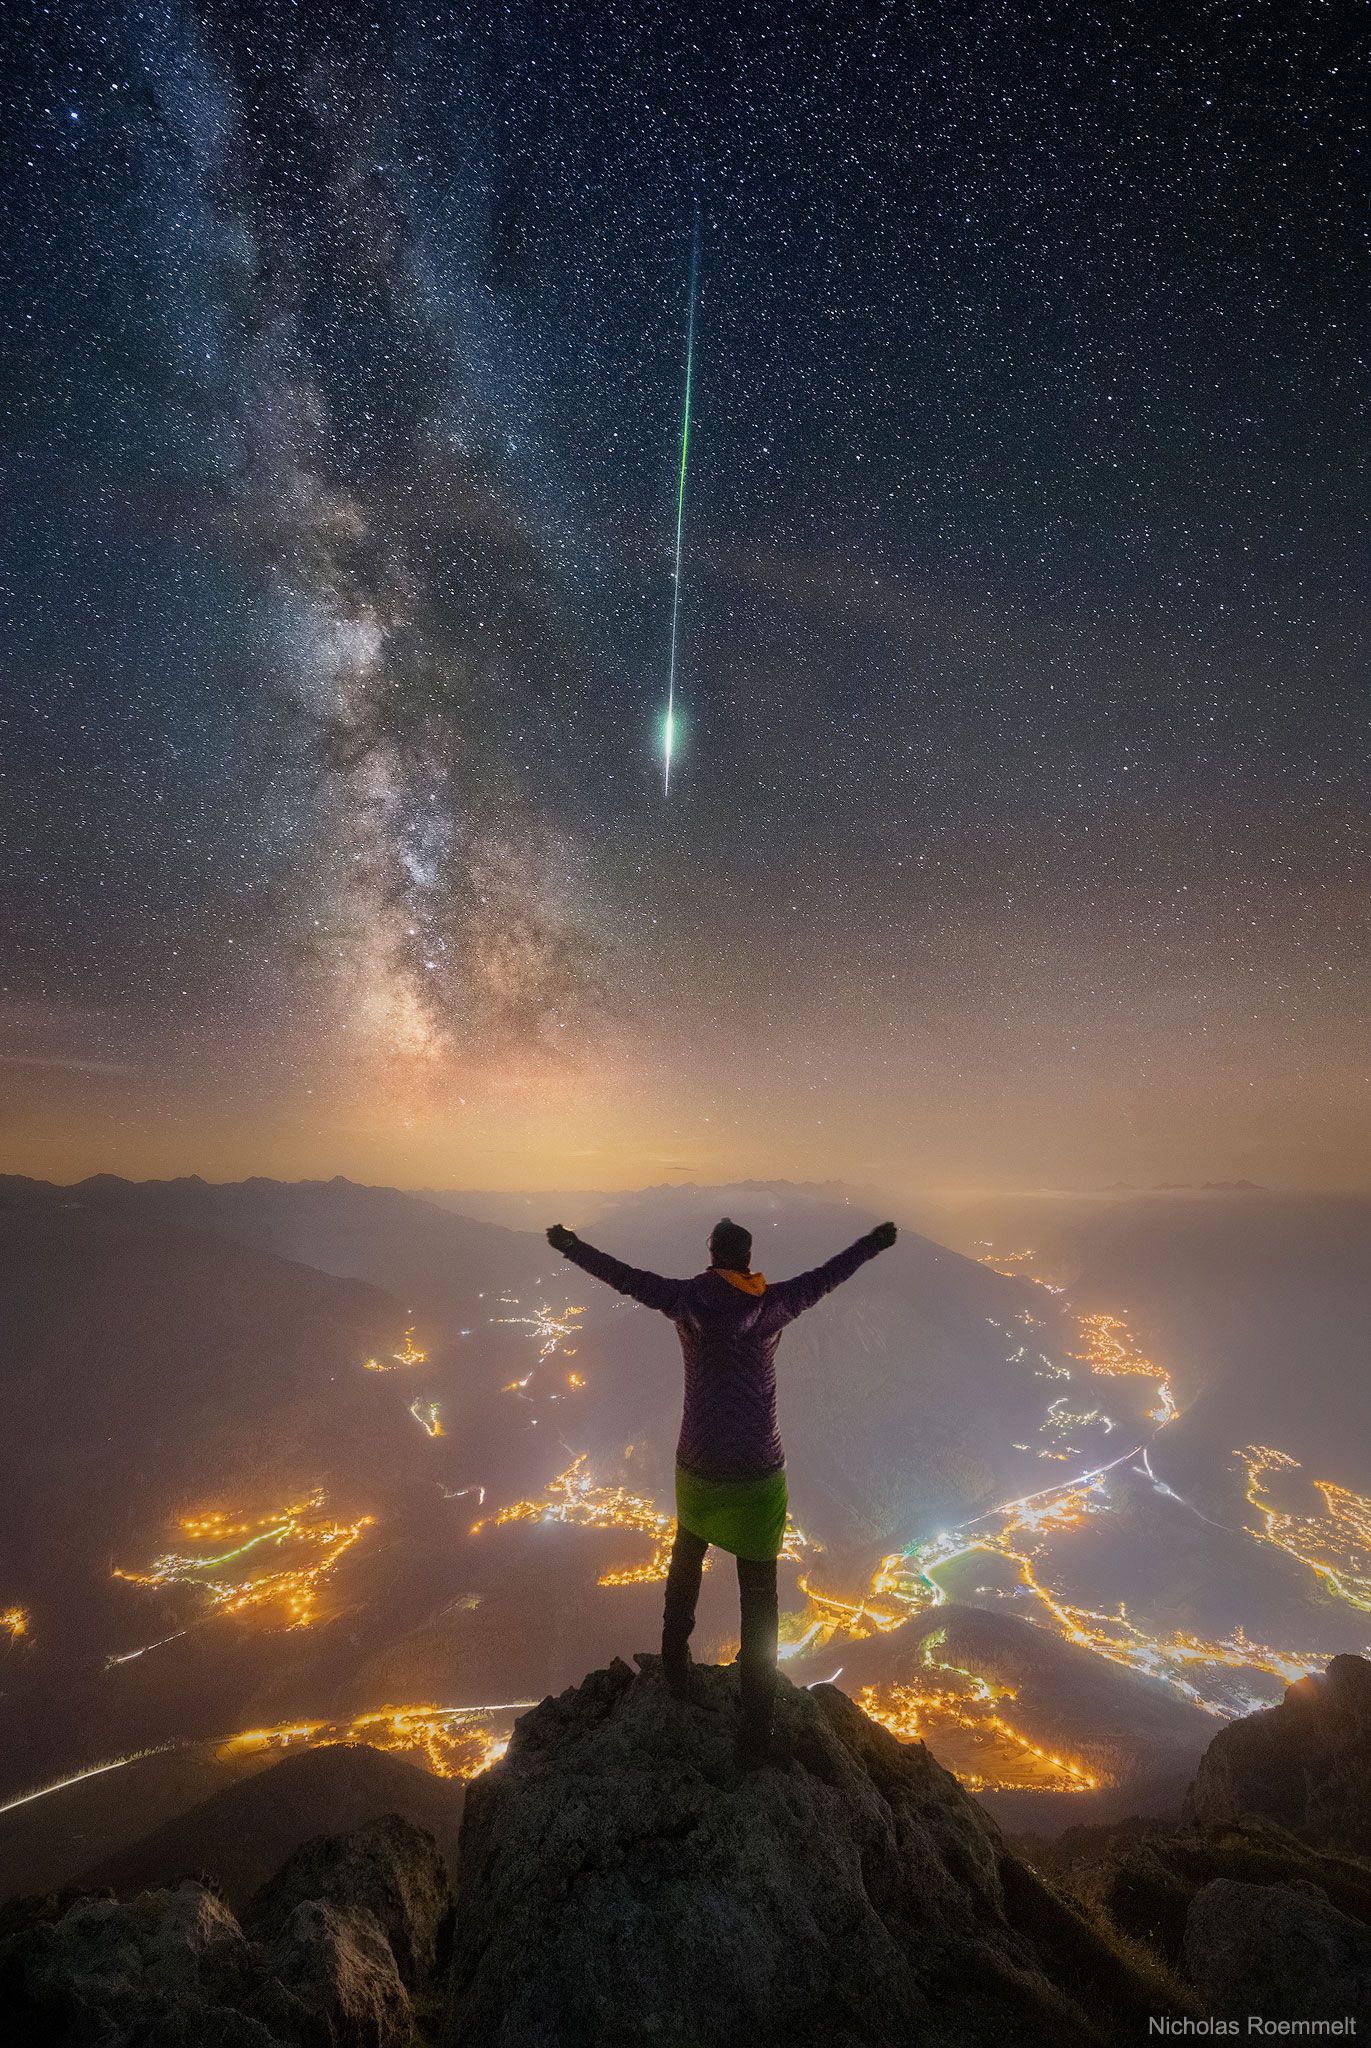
x=413, y=611
x=1018, y=829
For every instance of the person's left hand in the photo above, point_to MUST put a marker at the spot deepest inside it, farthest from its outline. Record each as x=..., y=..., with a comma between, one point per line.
x=884, y=1234
x=560, y=1238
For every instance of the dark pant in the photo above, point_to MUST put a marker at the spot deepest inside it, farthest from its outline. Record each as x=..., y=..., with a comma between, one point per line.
x=759, y=1613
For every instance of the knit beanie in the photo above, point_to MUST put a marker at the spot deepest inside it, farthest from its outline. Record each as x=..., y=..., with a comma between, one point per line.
x=730, y=1245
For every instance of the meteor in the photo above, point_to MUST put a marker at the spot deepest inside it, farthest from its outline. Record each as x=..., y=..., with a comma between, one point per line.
x=669, y=729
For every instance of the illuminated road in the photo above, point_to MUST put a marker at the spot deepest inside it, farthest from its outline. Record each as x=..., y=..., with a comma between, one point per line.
x=426, y=1414
x=119, y=1763
x=452, y=1742
x=1213, y=1674
x=1220, y=1675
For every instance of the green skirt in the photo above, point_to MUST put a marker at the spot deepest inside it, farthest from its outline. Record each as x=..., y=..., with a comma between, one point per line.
x=744, y=1516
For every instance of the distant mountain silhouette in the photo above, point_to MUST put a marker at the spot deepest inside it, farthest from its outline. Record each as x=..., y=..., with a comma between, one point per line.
x=240, y=1834
x=183, y=1355
x=429, y=1260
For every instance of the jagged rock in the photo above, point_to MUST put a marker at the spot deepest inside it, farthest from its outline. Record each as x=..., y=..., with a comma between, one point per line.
x=620, y=1880
x=29, y=1909
x=341, y=1966
x=1146, y=1884
x=170, y=1966
x=173, y=1969
x=388, y=1868
x=1279, y=1799
x=1279, y=1950
x=1305, y=1763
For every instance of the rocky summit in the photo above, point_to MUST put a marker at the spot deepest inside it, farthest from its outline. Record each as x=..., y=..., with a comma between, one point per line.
x=623, y=1880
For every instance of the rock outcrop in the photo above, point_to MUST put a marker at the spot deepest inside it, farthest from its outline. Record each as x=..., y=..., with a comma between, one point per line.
x=388, y=1870
x=340, y=1966
x=621, y=1880
x=1258, y=1898
x=1282, y=1951
x=173, y=1968
x=1305, y=1764
x=1147, y=1885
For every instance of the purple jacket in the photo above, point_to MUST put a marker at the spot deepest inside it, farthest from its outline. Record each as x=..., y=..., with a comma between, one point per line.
x=729, y=1339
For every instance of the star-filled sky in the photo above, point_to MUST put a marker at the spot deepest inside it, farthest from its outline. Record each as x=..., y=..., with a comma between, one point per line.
x=1017, y=827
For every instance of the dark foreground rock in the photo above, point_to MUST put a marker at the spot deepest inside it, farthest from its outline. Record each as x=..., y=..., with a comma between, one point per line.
x=1305, y=1763
x=622, y=1881
x=1282, y=1951
x=388, y=1869
x=173, y=1968
x=1258, y=1898
x=1146, y=1887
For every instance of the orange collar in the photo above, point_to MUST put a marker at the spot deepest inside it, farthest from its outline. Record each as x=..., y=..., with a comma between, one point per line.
x=746, y=1283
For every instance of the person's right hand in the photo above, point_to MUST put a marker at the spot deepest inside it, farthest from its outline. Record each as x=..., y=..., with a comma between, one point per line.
x=884, y=1235
x=559, y=1237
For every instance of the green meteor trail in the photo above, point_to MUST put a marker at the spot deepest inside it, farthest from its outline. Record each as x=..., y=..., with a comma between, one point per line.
x=669, y=729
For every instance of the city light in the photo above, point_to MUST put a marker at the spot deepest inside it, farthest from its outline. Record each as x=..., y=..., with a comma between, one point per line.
x=1336, y=1545
x=317, y=1539
x=968, y=1717
x=574, y=1497
x=408, y=1354
x=551, y=1331
x=452, y=1742
x=1016, y=1266
x=1111, y=1352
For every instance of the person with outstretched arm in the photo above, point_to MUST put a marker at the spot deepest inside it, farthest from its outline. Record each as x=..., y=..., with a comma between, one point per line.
x=730, y=1463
